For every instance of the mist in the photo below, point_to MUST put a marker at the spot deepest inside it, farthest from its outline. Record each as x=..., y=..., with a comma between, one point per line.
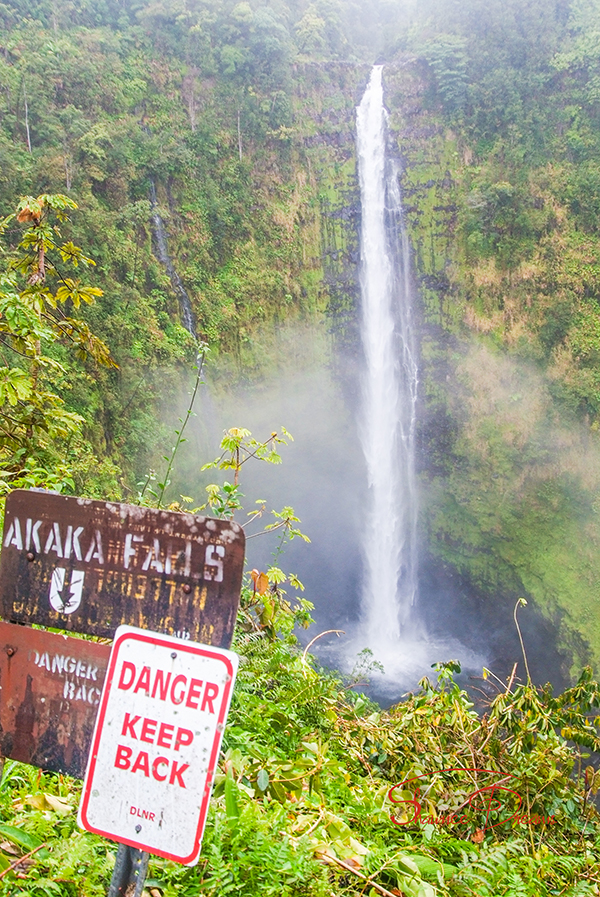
x=313, y=392
x=321, y=475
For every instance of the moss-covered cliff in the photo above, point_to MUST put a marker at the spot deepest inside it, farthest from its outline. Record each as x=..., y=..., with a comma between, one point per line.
x=242, y=117
x=510, y=457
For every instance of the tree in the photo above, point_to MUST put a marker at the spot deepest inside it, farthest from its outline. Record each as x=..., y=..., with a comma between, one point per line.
x=447, y=56
x=36, y=298
x=310, y=33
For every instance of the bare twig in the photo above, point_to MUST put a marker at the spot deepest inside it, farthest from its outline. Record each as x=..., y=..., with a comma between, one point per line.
x=263, y=531
x=21, y=859
x=199, y=369
x=468, y=800
x=512, y=678
x=521, y=601
x=320, y=635
x=485, y=678
x=470, y=745
x=12, y=349
x=328, y=858
x=315, y=825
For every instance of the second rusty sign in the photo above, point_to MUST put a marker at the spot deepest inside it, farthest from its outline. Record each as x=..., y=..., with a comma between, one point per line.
x=89, y=566
x=50, y=689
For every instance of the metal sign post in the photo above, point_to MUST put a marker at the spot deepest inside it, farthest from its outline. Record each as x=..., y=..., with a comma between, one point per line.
x=129, y=874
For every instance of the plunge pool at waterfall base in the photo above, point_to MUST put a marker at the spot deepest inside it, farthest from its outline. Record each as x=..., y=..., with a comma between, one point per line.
x=322, y=476
x=455, y=621
x=396, y=667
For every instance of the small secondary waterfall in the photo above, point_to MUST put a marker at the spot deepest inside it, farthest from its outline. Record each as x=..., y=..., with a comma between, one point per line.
x=162, y=250
x=389, y=387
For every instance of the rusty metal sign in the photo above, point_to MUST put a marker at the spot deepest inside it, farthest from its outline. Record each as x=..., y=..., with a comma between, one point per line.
x=89, y=566
x=156, y=743
x=50, y=690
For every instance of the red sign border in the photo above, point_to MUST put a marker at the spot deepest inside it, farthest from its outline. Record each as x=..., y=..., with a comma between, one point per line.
x=191, y=648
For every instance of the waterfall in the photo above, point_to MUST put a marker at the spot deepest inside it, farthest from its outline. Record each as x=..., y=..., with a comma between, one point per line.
x=162, y=251
x=389, y=385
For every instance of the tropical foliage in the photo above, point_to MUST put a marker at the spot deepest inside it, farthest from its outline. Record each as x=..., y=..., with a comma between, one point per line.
x=37, y=296
x=317, y=789
x=233, y=122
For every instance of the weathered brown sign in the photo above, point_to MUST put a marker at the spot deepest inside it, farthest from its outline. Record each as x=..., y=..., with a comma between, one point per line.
x=89, y=566
x=50, y=687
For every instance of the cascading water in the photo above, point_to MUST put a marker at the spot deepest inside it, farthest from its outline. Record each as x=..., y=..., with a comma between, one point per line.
x=389, y=394
x=162, y=250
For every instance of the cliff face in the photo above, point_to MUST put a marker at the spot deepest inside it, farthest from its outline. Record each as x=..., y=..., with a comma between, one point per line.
x=503, y=465
x=510, y=472
x=244, y=156
x=255, y=176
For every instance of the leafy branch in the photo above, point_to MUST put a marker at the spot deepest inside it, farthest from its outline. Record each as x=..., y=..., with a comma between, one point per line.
x=33, y=294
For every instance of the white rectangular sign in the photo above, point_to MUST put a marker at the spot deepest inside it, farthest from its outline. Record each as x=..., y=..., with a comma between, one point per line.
x=156, y=743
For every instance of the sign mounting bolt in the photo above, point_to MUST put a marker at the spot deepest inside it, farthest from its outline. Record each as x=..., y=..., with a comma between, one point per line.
x=187, y=588
x=138, y=828
x=174, y=655
x=10, y=651
x=30, y=556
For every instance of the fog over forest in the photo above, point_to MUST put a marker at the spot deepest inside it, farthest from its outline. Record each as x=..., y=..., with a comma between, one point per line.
x=375, y=226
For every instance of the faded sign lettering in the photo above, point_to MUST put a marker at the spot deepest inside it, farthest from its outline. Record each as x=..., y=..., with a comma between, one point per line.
x=89, y=566
x=50, y=688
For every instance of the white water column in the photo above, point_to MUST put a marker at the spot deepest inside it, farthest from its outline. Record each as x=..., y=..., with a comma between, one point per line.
x=389, y=385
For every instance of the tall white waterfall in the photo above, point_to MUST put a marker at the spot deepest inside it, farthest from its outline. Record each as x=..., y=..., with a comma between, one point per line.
x=389, y=394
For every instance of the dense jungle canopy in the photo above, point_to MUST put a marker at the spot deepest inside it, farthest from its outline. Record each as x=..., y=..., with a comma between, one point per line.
x=235, y=123
x=232, y=123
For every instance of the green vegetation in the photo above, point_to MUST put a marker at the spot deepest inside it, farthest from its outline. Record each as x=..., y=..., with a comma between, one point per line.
x=38, y=437
x=497, y=119
x=302, y=803
x=221, y=108
x=240, y=116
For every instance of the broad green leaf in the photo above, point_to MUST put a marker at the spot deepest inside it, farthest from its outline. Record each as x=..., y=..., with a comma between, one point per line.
x=231, y=796
x=19, y=837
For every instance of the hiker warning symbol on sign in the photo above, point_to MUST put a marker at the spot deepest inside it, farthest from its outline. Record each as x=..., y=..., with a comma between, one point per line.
x=156, y=743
